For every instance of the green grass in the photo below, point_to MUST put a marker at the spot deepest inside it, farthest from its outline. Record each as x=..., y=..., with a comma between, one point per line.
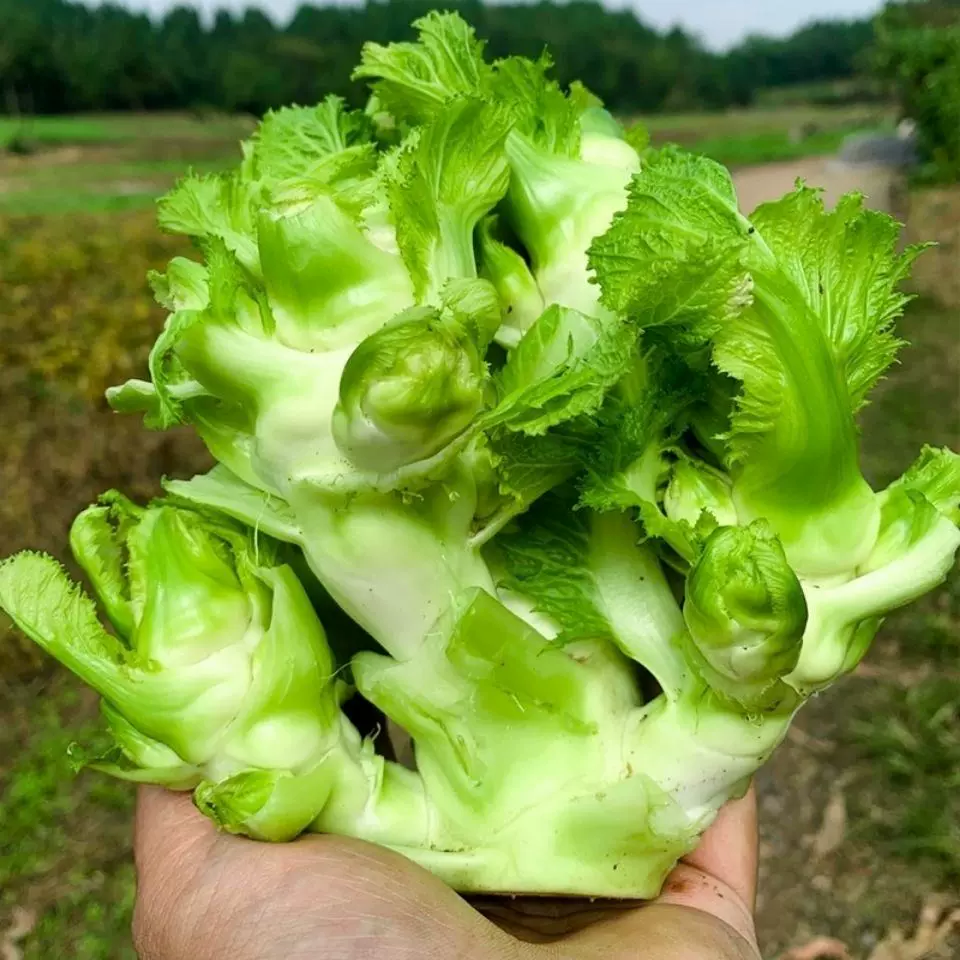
x=38, y=176
x=907, y=728
x=773, y=147
x=58, y=202
x=98, y=187
x=913, y=748
x=823, y=93
x=65, y=850
x=121, y=128
x=112, y=162
x=747, y=137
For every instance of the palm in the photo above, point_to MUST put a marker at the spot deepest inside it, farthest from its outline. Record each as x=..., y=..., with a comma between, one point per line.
x=205, y=895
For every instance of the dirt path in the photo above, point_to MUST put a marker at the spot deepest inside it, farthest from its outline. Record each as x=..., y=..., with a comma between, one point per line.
x=756, y=185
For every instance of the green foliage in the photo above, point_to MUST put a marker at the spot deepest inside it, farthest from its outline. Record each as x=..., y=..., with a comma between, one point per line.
x=66, y=839
x=61, y=56
x=918, y=55
x=905, y=725
x=778, y=145
x=915, y=749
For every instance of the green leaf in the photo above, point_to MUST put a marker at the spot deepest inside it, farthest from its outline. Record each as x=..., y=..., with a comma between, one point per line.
x=638, y=136
x=629, y=464
x=791, y=445
x=136, y=396
x=327, y=283
x=563, y=368
x=291, y=712
x=559, y=203
x=524, y=469
x=694, y=489
x=936, y=475
x=168, y=377
x=448, y=176
x=292, y=141
x=214, y=205
x=584, y=99
x=673, y=257
x=520, y=298
x=138, y=758
x=538, y=107
x=588, y=573
x=545, y=558
x=473, y=306
x=174, y=385
x=410, y=390
x=847, y=266
x=182, y=287
x=269, y=805
x=914, y=506
x=225, y=492
x=56, y=614
x=98, y=543
x=414, y=81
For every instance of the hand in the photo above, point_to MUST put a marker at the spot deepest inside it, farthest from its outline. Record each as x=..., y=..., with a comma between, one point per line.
x=205, y=895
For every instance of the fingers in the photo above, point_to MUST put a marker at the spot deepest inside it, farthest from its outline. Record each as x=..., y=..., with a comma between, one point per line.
x=720, y=877
x=729, y=849
x=657, y=932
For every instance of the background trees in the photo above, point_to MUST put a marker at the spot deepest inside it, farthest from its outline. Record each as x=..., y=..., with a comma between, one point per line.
x=59, y=56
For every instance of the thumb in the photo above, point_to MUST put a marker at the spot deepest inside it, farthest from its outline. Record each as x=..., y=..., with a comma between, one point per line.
x=705, y=911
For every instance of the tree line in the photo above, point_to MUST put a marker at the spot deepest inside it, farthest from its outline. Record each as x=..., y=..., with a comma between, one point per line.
x=60, y=56
x=917, y=53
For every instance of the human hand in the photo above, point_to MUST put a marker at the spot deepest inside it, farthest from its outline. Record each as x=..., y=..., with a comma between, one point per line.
x=206, y=895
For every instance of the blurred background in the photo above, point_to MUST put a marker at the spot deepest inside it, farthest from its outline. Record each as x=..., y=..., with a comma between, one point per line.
x=103, y=106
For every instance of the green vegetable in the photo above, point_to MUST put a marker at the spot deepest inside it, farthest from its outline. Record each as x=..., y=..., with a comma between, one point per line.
x=560, y=443
x=218, y=677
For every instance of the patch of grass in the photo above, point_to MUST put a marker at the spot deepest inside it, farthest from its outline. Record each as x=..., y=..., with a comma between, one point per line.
x=97, y=187
x=699, y=126
x=33, y=177
x=772, y=147
x=747, y=137
x=61, y=202
x=913, y=746
x=122, y=127
x=110, y=162
x=917, y=403
x=852, y=91
x=907, y=728
x=64, y=838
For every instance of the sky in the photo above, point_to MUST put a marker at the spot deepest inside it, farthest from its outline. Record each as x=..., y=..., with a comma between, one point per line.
x=720, y=23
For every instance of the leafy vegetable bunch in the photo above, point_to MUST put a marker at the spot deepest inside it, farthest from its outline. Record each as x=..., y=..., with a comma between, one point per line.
x=570, y=440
